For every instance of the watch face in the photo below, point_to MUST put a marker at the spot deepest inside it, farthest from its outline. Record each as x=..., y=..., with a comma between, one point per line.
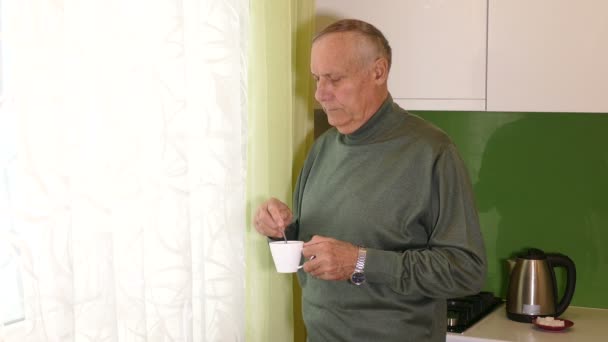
x=357, y=278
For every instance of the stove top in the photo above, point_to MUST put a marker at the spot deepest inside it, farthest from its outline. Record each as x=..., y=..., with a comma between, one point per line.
x=463, y=312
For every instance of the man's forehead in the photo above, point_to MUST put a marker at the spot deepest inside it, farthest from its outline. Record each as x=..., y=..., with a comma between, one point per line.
x=336, y=52
x=333, y=63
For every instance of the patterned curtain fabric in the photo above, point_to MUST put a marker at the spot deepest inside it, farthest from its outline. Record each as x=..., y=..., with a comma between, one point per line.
x=123, y=148
x=280, y=133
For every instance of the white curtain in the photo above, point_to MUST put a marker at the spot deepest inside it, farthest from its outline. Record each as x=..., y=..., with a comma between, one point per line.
x=124, y=172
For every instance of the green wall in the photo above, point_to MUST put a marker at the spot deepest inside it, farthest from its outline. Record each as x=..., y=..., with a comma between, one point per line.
x=541, y=180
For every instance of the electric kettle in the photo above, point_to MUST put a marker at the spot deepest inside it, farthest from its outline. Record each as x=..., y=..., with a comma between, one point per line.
x=532, y=289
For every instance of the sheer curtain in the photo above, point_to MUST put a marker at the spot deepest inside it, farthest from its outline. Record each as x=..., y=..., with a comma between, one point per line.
x=126, y=182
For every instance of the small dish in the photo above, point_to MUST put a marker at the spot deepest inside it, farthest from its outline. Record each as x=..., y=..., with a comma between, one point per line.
x=567, y=324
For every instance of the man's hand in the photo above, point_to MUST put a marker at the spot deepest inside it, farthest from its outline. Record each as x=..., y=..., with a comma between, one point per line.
x=331, y=259
x=272, y=217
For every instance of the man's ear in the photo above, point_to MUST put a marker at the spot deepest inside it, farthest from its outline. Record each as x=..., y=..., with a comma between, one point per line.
x=380, y=70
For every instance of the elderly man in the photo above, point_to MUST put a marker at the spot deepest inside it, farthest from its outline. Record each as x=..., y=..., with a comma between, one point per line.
x=384, y=203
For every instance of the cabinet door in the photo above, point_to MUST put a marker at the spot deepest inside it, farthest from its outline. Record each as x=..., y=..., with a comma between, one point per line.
x=548, y=55
x=439, y=48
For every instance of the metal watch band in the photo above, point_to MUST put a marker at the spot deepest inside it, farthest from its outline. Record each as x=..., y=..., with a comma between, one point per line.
x=361, y=259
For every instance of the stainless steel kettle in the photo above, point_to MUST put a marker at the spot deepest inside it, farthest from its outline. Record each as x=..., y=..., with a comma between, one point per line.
x=532, y=289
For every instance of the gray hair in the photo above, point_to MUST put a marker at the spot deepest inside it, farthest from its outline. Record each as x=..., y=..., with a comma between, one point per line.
x=367, y=30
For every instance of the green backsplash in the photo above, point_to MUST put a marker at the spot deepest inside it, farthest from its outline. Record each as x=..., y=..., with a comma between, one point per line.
x=541, y=180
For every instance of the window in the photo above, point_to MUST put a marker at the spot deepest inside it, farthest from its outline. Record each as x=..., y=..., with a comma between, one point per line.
x=11, y=290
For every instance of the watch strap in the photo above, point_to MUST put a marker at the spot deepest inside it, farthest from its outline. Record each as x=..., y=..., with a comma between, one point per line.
x=360, y=265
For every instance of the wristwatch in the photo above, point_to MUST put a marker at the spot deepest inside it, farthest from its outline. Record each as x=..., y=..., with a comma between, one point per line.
x=358, y=277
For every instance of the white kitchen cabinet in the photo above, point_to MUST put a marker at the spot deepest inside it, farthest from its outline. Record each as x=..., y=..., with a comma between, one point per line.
x=439, y=48
x=548, y=55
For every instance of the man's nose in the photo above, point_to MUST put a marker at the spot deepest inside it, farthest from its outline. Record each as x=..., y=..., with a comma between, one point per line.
x=322, y=93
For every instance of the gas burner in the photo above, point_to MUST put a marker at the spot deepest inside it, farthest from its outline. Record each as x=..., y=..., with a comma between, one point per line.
x=463, y=312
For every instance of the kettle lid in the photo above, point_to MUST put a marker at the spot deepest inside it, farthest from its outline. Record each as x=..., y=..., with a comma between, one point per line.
x=533, y=254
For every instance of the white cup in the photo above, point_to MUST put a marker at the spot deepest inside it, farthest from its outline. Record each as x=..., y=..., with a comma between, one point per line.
x=286, y=255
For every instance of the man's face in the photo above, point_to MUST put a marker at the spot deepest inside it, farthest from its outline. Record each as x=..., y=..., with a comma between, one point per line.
x=345, y=83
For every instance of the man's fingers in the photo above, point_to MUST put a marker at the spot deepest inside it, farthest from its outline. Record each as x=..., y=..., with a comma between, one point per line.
x=335, y=260
x=269, y=219
x=279, y=213
x=311, y=266
x=317, y=239
x=321, y=270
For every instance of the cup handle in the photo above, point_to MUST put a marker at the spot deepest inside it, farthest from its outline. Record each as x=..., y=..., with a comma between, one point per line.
x=311, y=258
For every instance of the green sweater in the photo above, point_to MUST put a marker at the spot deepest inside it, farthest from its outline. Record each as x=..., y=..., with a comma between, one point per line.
x=398, y=187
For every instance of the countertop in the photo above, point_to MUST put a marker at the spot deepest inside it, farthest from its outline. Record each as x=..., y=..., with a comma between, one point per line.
x=590, y=325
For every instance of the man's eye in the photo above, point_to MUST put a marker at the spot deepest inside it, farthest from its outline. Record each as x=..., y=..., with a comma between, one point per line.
x=335, y=79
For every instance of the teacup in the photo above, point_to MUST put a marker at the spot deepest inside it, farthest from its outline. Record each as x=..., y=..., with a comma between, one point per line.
x=286, y=255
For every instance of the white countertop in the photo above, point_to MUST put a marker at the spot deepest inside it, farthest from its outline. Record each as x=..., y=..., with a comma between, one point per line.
x=590, y=325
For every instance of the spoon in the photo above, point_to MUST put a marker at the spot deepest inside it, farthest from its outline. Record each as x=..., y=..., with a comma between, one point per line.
x=284, y=237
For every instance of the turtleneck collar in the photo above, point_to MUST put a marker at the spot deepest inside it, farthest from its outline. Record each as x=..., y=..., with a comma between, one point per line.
x=375, y=128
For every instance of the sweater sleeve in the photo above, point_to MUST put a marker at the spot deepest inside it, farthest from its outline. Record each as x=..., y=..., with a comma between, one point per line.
x=453, y=263
x=293, y=230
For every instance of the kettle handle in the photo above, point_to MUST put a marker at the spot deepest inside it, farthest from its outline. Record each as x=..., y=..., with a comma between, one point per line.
x=560, y=260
